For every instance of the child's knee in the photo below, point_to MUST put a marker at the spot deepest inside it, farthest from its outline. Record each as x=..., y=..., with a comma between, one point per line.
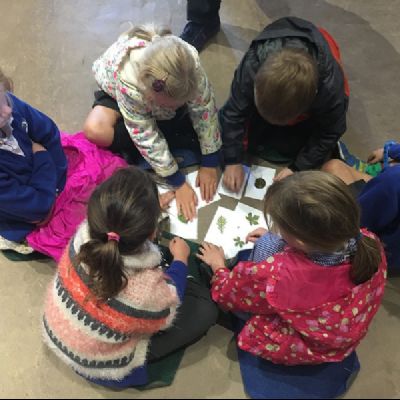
x=332, y=166
x=98, y=132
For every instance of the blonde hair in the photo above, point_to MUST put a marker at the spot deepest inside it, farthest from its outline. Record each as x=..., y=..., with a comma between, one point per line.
x=168, y=65
x=286, y=85
x=320, y=210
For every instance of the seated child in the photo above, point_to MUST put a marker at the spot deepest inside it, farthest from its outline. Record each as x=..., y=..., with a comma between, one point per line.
x=378, y=194
x=33, y=167
x=111, y=309
x=313, y=283
x=155, y=98
x=46, y=178
x=289, y=96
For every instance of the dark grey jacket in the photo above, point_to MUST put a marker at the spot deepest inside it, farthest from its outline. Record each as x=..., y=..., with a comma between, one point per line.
x=327, y=113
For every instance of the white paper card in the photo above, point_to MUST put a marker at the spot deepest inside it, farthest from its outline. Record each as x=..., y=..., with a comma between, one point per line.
x=221, y=233
x=223, y=190
x=229, y=228
x=184, y=230
x=252, y=217
x=257, y=172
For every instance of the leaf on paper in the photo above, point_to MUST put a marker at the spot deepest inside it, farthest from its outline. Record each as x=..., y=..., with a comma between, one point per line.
x=238, y=242
x=260, y=183
x=182, y=218
x=221, y=223
x=253, y=219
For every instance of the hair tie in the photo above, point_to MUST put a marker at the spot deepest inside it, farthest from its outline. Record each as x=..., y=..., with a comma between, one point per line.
x=113, y=236
x=158, y=85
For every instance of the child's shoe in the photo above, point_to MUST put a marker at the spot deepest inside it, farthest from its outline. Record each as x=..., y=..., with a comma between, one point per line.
x=350, y=159
x=199, y=34
x=21, y=248
x=359, y=165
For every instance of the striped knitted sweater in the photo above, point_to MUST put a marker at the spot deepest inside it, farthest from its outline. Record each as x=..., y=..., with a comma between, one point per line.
x=107, y=340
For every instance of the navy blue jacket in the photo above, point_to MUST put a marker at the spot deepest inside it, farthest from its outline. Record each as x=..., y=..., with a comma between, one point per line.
x=327, y=113
x=28, y=184
x=380, y=206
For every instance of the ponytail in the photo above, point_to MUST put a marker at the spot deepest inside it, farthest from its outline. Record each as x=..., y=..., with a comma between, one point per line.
x=107, y=278
x=122, y=214
x=366, y=260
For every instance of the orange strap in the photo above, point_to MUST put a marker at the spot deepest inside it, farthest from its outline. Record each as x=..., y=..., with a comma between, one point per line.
x=336, y=54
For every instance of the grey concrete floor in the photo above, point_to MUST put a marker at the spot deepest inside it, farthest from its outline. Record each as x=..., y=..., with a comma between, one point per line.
x=48, y=46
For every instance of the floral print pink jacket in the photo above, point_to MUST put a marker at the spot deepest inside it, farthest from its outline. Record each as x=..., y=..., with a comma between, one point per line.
x=300, y=312
x=140, y=116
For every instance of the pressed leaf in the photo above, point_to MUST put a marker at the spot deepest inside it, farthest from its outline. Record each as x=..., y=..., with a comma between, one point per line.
x=238, y=242
x=221, y=223
x=253, y=219
x=260, y=183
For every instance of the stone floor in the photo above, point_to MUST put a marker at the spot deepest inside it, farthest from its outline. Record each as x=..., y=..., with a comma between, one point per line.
x=48, y=46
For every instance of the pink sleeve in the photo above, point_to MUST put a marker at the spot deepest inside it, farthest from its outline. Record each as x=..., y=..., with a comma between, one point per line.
x=242, y=289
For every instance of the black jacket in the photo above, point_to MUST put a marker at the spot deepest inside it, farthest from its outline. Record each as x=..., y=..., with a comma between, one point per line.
x=328, y=112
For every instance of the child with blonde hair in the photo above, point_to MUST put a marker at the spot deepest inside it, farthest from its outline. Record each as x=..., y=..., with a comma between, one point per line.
x=155, y=99
x=312, y=284
x=111, y=309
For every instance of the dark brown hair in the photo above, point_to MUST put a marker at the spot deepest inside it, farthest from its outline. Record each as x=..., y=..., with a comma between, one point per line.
x=286, y=85
x=127, y=204
x=320, y=210
x=6, y=82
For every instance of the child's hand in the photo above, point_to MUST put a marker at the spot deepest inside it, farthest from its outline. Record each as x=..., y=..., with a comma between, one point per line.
x=179, y=250
x=207, y=180
x=233, y=177
x=165, y=199
x=255, y=235
x=186, y=201
x=375, y=156
x=212, y=255
x=37, y=147
x=283, y=174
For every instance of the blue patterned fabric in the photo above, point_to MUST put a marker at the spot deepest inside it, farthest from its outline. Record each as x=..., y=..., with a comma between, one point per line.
x=270, y=244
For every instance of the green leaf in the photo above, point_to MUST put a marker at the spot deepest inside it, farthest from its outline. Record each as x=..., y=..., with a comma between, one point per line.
x=260, y=183
x=238, y=242
x=221, y=223
x=182, y=218
x=253, y=219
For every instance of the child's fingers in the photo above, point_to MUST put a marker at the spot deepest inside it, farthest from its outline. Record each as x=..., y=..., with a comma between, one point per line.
x=179, y=207
x=203, y=191
x=195, y=199
x=207, y=190
x=235, y=185
x=213, y=190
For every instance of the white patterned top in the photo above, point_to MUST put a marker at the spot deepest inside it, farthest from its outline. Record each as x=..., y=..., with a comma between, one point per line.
x=140, y=115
